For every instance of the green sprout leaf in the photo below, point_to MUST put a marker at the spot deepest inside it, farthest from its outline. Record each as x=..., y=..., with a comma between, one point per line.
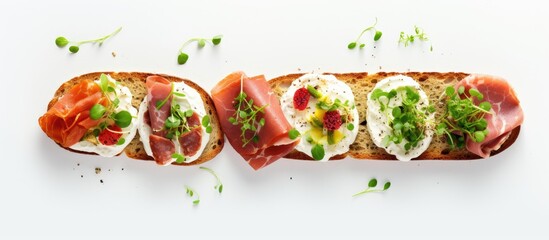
x=61, y=42
x=179, y=158
x=74, y=49
x=218, y=185
x=123, y=119
x=201, y=43
x=351, y=45
x=318, y=152
x=182, y=58
x=371, y=187
x=386, y=186
x=216, y=40
x=293, y=134
x=377, y=36
x=121, y=141
x=372, y=183
x=407, y=39
x=97, y=111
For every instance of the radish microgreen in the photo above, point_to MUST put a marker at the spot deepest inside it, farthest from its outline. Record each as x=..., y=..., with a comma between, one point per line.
x=179, y=158
x=218, y=186
x=407, y=39
x=75, y=46
x=371, y=187
x=357, y=42
x=206, y=123
x=318, y=152
x=247, y=116
x=462, y=117
x=183, y=57
x=107, y=115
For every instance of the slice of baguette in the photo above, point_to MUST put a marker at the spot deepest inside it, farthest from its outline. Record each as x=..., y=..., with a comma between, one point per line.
x=135, y=81
x=433, y=83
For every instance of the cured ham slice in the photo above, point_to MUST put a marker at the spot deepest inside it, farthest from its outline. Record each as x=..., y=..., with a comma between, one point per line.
x=158, y=92
x=273, y=141
x=159, y=97
x=67, y=121
x=506, y=112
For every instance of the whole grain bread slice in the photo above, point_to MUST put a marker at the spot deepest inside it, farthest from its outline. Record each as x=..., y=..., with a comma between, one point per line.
x=135, y=81
x=433, y=83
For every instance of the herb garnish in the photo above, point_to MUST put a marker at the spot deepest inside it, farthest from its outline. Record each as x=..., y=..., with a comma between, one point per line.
x=246, y=115
x=75, y=46
x=293, y=134
x=219, y=185
x=371, y=185
x=191, y=193
x=183, y=57
x=407, y=39
x=407, y=122
x=122, y=118
x=464, y=116
x=377, y=36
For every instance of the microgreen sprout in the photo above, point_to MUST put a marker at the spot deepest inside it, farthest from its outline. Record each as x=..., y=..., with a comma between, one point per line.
x=107, y=114
x=407, y=39
x=463, y=117
x=318, y=152
x=75, y=46
x=408, y=122
x=377, y=36
x=201, y=42
x=371, y=187
x=247, y=116
x=191, y=193
x=219, y=185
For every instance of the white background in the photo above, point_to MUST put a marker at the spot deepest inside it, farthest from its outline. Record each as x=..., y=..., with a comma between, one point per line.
x=42, y=192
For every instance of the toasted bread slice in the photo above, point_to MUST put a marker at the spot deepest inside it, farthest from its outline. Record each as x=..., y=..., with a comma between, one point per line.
x=433, y=83
x=135, y=81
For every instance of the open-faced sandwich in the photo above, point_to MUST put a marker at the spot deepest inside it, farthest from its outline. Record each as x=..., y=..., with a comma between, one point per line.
x=98, y=113
x=404, y=116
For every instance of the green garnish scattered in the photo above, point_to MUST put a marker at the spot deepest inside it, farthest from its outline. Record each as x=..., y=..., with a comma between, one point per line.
x=121, y=141
x=219, y=185
x=176, y=124
x=123, y=119
x=350, y=127
x=293, y=134
x=371, y=187
x=206, y=123
x=179, y=158
x=312, y=90
x=191, y=193
x=97, y=111
x=75, y=46
x=407, y=39
x=318, y=152
x=408, y=121
x=463, y=116
x=201, y=42
x=377, y=36
x=246, y=115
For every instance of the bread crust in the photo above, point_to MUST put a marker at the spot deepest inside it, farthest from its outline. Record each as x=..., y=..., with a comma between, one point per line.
x=135, y=81
x=433, y=83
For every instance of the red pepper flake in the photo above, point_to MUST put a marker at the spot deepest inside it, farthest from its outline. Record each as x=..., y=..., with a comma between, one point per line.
x=332, y=120
x=109, y=138
x=301, y=98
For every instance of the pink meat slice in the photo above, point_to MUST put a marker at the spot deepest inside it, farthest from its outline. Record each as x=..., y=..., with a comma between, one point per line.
x=274, y=141
x=158, y=90
x=506, y=111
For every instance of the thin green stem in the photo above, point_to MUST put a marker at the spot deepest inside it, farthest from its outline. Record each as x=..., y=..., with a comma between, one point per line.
x=213, y=173
x=101, y=39
x=365, y=30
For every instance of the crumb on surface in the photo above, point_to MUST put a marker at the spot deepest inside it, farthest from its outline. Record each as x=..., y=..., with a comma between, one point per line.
x=97, y=170
x=101, y=180
x=113, y=54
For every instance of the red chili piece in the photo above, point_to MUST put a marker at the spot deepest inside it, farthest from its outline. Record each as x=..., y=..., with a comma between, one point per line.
x=301, y=98
x=109, y=138
x=332, y=120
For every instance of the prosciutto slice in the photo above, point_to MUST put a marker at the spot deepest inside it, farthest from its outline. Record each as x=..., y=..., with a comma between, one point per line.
x=506, y=112
x=67, y=121
x=159, y=92
x=273, y=142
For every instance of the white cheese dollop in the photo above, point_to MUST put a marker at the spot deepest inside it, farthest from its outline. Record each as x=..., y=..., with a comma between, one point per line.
x=191, y=100
x=331, y=88
x=378, y=121
x=125, y=97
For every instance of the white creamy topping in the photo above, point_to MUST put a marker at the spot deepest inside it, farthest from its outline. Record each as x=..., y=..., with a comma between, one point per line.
x=378, y=121
x=125, y=97
x=191, y=100
x=331, y=88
